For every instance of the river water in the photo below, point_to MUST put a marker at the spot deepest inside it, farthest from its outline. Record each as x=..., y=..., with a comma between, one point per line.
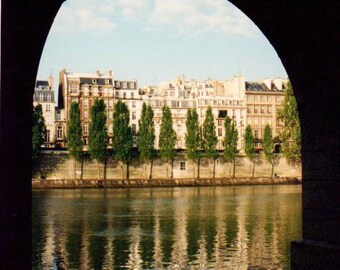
x=248, y=227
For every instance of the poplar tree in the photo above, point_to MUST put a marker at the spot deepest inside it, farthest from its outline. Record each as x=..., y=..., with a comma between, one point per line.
x=146, y=136
x=167, y=138
x=74, y=135
x=249, y=148
x=268, y=147
x=209, y=137
x=230, y=142
x=122, y=135
x=38, y=130
x=98, y=137
x=193, y=138
x=291, y=131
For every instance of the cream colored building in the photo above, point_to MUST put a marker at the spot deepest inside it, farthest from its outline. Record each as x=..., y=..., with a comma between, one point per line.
x=44, y=95
x=263, y=100
x=84, y=88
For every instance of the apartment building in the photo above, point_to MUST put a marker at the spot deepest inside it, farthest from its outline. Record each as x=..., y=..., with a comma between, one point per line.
x=44, y=95
x=84, y=88
x=263, y=100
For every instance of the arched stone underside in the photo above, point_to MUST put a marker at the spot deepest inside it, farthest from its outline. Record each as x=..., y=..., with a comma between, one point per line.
x=305, y=35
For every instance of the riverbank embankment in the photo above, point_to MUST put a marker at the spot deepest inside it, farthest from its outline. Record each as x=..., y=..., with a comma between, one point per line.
x=187, y=182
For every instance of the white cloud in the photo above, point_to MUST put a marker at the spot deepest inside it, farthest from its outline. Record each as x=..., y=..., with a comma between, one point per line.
x=84, y=16
x=192, y=17
x=180, y=17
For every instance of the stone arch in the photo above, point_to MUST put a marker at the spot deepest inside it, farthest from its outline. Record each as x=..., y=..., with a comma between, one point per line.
x=305, y=34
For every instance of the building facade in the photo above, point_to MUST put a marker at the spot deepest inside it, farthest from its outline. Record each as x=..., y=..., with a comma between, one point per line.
x=253, y=103
x=84, y=88
x=44, y=95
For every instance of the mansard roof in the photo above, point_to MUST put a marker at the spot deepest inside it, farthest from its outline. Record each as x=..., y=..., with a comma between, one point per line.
x=262, y=87
x=97, y=81
x=41, y=83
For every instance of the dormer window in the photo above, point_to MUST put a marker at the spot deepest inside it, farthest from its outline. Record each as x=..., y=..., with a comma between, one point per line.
x=94, y=81
x=107, y=81
x=117, y=84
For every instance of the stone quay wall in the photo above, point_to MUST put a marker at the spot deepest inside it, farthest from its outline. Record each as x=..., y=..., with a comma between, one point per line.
x=56, y=169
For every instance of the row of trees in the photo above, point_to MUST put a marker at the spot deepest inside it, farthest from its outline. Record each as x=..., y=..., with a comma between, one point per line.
x=200, y=141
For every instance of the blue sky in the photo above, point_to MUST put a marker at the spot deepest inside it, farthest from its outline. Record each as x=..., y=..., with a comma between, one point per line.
x=157, y=40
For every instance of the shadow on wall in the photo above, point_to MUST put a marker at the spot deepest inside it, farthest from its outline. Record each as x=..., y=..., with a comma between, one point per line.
x=44, y=166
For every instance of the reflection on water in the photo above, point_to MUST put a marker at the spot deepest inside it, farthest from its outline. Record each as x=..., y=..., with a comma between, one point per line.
x=166, y=228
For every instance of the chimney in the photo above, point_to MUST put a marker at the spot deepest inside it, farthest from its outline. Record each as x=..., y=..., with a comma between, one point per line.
x=98, y=73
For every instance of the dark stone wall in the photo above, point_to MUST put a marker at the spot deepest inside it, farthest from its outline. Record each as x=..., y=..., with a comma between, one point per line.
x=305, y=35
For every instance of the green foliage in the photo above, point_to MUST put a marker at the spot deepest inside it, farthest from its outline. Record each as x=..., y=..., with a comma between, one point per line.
x=167, y=135
x=122, y=135
x=98, y=138
x=192, y=136
x=268, y=145
x=146, y=135
x=38, y=130
x=209, y=135
x=249, y=141
x=230, y=140
x=291, y=132
x=74, y=132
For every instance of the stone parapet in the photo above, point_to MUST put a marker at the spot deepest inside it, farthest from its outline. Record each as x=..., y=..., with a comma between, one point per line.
x=185, y=182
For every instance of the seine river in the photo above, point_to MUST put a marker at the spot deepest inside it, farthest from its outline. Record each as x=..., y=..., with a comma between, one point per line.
x=247, y=227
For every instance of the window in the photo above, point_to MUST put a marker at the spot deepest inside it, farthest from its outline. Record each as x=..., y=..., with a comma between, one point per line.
x=85, y=103
x=269, y=109
x=182, y=165
x=117, y=93
x=133, y=115
x=219, y=132
x=94, y=81
x=74, y=88
x=117, y=84
x=124, y=95
x=48, y=107
x=256, y=109
x=133, y=104
x=132, y=85
x=255, y=98
x=85, y=141
x=47, y=136
x=59, y=132
x=256, y=134
x=124, y=84
x=134, y=129
x=86, y=128
x=269, y=98
x=248, y=109
x=262, y=109
x=132, y=95
x=86, y=115
x=219, y=122
x=58, y=117
x=249, y=97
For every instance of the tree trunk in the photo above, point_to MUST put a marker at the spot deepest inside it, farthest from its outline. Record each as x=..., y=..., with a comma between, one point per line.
x=272, y=173
x=151, y=166
x=253, y=169
x=172, y=169
x=167, y=168
x=82, y=167
x=105, y=166
x=214, y=167
x=74, y=168
x=234, y=167
x=127, y=170
x=122, y=169
x=98, y=164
